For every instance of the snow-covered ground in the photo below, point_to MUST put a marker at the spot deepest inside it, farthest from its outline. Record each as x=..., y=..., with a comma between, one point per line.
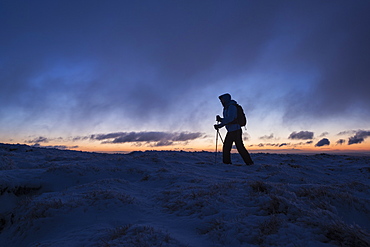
x=51, y=197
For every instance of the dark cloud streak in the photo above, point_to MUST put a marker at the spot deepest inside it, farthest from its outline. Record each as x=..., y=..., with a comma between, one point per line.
x=158, y=138
x=323, y=142
x=302, y=135
x=267, y=137
x=61, y=147
x=39, y=139
x=359, y=137
x=341, y=141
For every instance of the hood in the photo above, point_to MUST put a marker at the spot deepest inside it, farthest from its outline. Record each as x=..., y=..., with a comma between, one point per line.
x=226, y=100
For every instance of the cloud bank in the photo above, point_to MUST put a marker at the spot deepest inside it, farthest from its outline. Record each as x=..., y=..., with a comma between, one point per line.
x=341, y=141
x=302, y=135
x=153, y=138
x=267, y=137
x=359, y=137
x=149, y=138
x=323, y=142
x=39, y=139
x=61, y=147
x=137, y=57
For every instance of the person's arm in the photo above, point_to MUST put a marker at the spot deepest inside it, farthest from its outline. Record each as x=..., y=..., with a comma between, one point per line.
x=230, y=116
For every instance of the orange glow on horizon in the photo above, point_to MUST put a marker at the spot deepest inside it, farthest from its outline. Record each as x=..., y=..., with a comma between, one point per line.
x=355, y=148
x=209, y=146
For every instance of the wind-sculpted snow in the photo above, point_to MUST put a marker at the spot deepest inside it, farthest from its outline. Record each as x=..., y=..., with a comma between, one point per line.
x=50, y=197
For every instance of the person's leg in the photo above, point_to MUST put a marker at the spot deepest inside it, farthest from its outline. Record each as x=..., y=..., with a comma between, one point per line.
x=226, y=159
x=241, y=149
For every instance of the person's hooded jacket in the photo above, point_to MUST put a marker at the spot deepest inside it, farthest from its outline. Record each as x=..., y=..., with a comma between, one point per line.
x=229, y=113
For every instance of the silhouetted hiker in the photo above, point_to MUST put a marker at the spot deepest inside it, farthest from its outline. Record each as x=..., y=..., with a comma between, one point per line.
x=234, y=130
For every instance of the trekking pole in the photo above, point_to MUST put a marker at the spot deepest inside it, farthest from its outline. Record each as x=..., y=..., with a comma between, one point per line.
x=220, y=136
x=216, y=147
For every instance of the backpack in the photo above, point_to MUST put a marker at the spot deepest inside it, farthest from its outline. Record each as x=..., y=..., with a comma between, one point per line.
x=241, y=119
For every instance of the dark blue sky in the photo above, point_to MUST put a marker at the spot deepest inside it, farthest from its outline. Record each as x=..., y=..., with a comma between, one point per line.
x=73, y=69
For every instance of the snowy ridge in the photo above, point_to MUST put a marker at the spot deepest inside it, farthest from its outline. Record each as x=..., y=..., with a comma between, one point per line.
x=51, y=197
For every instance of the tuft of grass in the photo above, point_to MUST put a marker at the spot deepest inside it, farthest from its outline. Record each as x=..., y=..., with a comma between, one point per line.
x=138, y=236
x=215, y=229
x=258, y=186
x=162, y=169
x=120, y=231
x=270, y=226
x=145, y=178
x=294, y=166
x=314, y=192
x=25, y=190
x=40, y=209
x=276, y=205
x=346, y=235
x=97, y=195
x=6, y=163
x=214, y=225
x=20, y=190
x=2, y=223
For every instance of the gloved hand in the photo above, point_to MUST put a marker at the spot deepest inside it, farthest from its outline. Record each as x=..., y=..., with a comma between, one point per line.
x=217, y=126
x=218, y=118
